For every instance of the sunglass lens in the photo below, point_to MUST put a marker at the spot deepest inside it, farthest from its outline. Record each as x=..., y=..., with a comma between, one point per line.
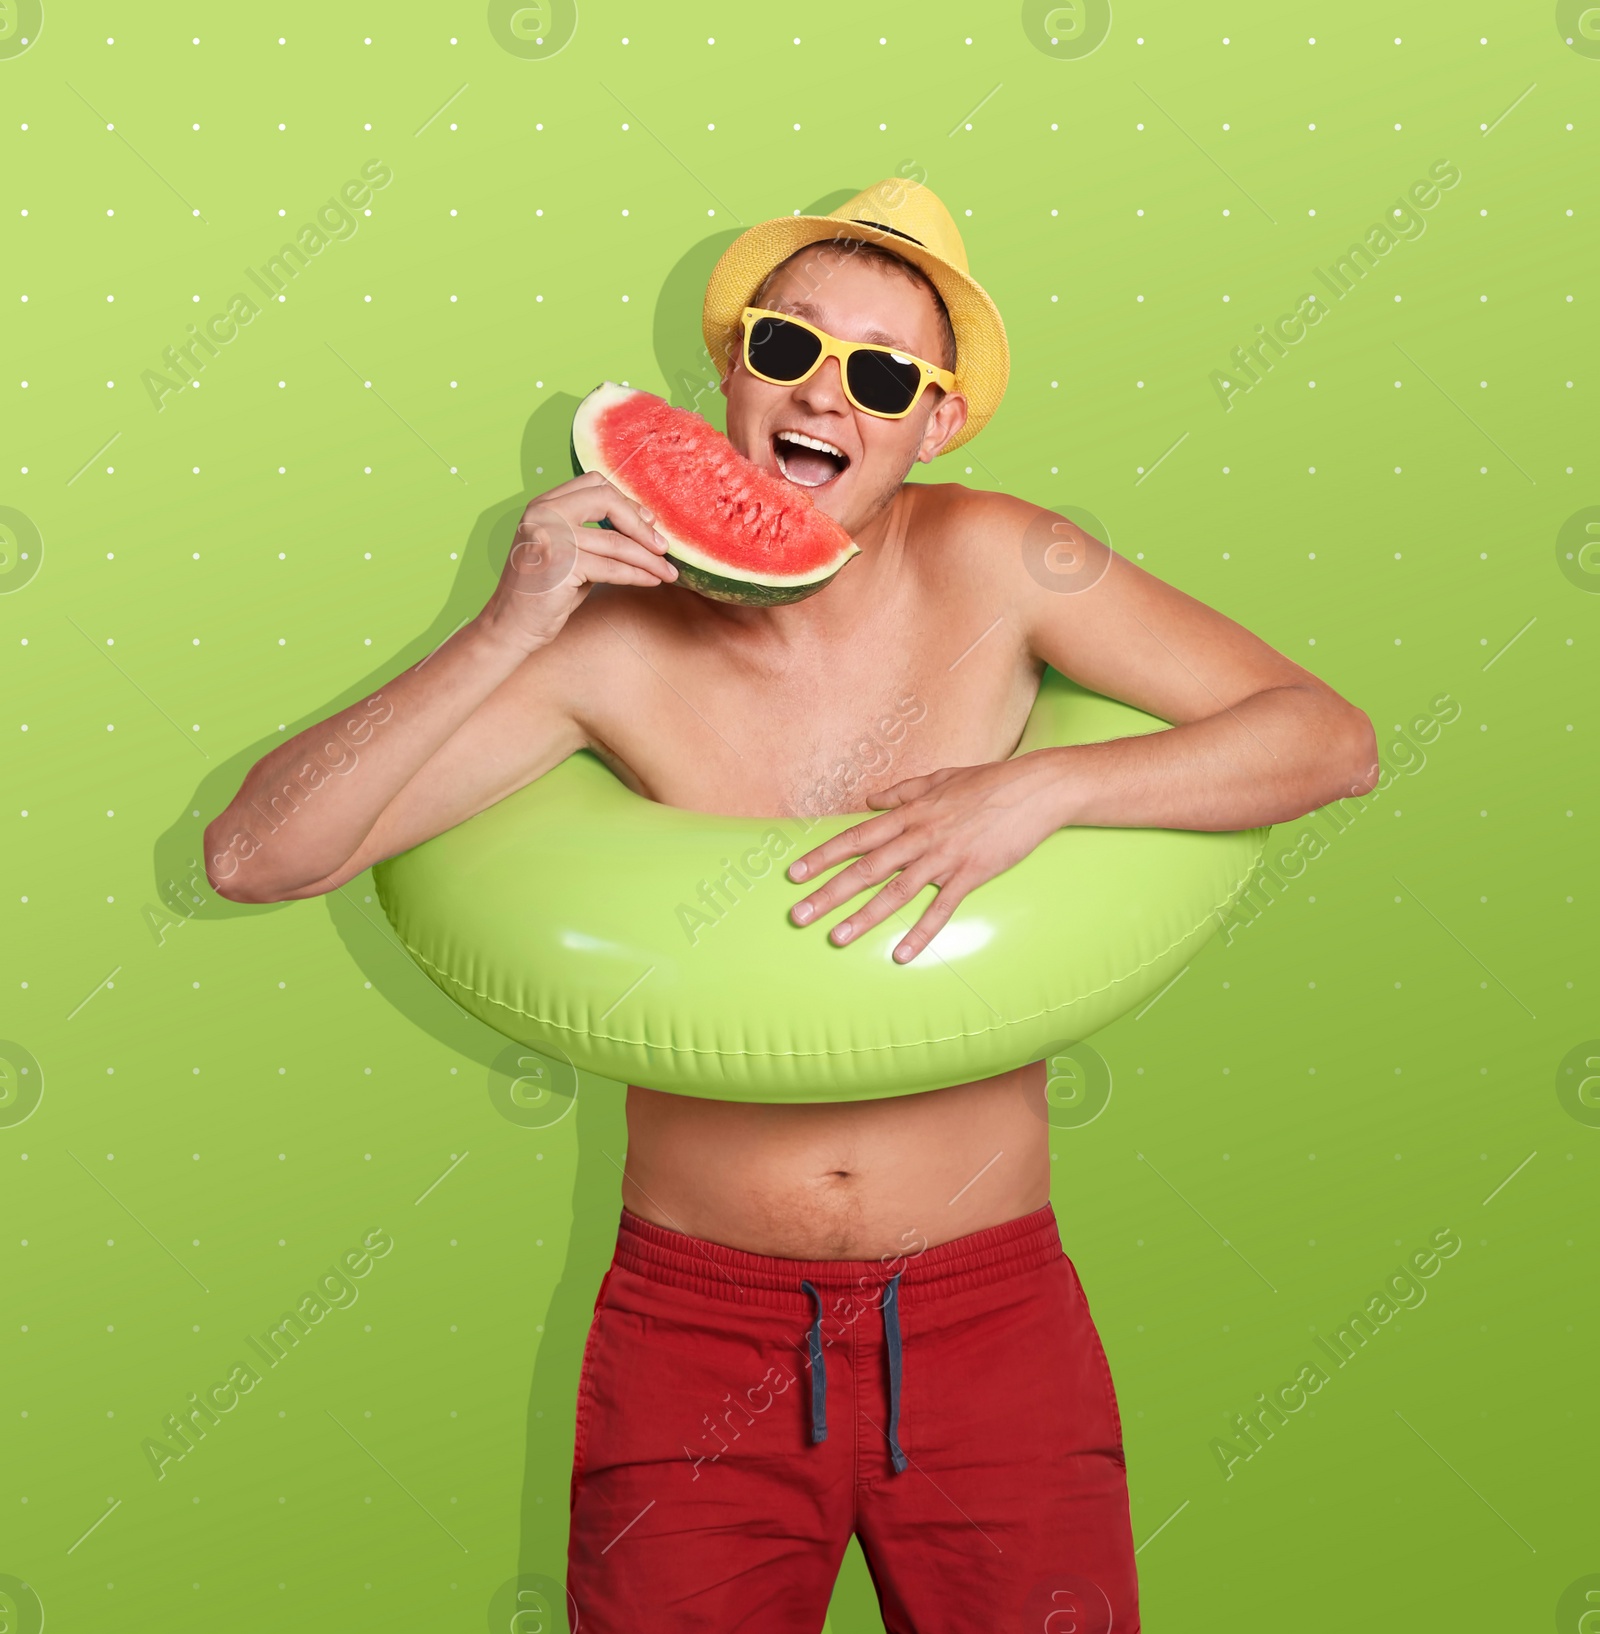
x=881, y=384
x=781, y=351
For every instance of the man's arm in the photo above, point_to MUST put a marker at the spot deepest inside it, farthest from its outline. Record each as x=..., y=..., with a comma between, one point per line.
x=1255, y=738
x=488, y=711
x=470, y=724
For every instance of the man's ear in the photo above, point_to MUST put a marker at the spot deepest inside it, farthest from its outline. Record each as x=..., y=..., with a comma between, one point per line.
x=943, y=424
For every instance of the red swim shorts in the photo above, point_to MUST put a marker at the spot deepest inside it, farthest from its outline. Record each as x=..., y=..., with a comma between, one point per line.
x=740, y=1416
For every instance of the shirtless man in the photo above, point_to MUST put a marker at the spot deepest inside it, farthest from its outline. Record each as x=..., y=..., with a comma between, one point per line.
x=818, y=1321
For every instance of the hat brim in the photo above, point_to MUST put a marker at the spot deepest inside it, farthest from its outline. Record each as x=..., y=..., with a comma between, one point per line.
x=983, y=356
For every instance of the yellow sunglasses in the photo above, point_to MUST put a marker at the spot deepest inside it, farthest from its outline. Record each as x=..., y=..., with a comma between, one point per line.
x=784, y=350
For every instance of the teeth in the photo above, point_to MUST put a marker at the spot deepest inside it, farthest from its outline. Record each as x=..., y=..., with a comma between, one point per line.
x=811, y=442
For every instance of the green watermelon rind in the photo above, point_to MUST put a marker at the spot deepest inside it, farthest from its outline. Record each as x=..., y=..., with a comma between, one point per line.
x=695, y=571
x=746, y=592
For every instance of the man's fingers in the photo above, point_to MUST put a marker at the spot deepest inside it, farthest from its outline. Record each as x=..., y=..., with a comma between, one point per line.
x=619, y=547
x=549, y=547
x=855, y=840
x=908, y=788
x=575, y=485
x=894, y=896
x=627, y=565
x=593, y=498
x=852, y=842
x=629, y=516
x=933, y=920
x=631, y=519
x=872, y=869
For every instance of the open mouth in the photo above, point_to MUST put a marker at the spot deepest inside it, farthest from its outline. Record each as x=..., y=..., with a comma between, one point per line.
x=808, y=462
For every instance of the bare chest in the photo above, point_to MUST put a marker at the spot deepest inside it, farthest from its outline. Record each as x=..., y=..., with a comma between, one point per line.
x=929, y=677
x=713, y=741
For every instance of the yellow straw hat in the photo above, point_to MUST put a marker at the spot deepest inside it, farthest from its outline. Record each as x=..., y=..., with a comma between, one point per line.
x=903, y=216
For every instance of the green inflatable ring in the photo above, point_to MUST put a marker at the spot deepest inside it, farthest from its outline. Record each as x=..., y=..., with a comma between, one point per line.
x=568, y=916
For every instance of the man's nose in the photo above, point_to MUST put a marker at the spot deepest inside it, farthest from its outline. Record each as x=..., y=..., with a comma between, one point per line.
x=824, y=391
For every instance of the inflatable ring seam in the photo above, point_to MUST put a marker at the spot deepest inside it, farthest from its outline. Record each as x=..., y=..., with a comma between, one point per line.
x=442, y=976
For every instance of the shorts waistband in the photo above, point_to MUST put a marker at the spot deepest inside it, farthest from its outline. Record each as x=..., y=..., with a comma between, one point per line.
x=979, y=1259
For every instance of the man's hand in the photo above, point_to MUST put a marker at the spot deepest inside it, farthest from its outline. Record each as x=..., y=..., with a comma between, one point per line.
x=953, y=828
x=555, y=560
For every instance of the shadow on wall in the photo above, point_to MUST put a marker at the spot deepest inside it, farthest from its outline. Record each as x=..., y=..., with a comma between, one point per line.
x=180, y=878
x=184, y=895
x=691, y=377
x=690, y=380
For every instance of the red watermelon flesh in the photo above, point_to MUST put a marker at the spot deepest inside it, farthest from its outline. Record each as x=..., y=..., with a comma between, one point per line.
x=736, y=532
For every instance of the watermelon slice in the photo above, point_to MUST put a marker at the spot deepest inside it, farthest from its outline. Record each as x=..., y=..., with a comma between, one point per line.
x=736, y=533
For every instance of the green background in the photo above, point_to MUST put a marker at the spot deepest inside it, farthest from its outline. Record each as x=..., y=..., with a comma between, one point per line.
x=233, y=1098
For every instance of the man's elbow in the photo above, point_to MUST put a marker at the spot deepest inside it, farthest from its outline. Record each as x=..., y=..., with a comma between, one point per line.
x=235, y=891
x=228, y=884
x=225, y=871
x=1360, y=758
x=231, y=878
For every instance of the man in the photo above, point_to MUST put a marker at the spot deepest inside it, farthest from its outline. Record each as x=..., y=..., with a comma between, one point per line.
x=841, y=1318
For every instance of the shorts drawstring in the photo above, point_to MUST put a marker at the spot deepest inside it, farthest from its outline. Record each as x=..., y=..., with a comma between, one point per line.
x=891, y=1339
x=819, y=1371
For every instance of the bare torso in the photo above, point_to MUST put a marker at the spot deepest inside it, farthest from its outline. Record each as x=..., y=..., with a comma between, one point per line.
x=921, y=672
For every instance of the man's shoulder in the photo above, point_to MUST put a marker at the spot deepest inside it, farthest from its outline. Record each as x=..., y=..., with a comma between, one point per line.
x=970, y=506
x=977, y=522
x=991, y=549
